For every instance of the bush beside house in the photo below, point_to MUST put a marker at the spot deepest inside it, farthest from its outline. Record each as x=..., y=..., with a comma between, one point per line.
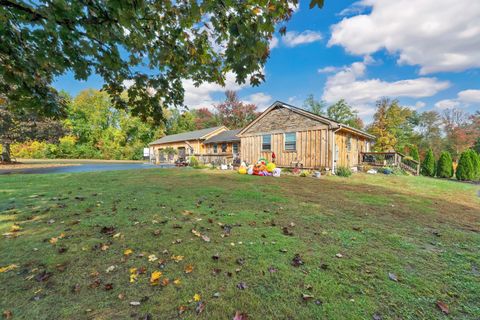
x=428, y=165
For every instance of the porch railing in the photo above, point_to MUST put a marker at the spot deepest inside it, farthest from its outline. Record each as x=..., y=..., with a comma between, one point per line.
x=390, y=159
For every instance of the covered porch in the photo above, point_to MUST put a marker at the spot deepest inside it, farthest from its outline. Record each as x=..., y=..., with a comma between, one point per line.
x=391, y=159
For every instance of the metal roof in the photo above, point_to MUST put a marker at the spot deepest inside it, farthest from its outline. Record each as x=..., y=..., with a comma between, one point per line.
x=225, y=136
x=184, y=136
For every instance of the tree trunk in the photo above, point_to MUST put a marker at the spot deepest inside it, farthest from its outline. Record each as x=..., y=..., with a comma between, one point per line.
x=6, y=152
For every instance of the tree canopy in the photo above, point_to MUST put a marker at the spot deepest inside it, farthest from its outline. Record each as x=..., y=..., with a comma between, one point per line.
x=342, y=112
x=150, y=45
x=314, y=106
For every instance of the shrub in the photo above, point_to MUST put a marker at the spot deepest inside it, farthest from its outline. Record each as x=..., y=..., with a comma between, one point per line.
x=304, y=173
x=465, y=170
x=343, y=172
x=193, y=162
x=428, y=165
x=476, y=164
x=445, y=165
x=414, y=153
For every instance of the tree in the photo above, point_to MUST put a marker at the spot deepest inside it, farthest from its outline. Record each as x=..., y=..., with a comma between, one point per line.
x=152, y=45
x=204, y=118
x=429, y=129
x=428, y=165
x=445, y=165
x=457, y=131
x=475, y=157
x=476, y=146
x=414, y=153
x=178, y=122
x=465, y=170
x=344, y=113
x=233, y=113
x=314, y=106
x=23, y=125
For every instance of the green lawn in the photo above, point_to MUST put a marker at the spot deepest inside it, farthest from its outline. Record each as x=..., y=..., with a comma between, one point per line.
x=422, y=231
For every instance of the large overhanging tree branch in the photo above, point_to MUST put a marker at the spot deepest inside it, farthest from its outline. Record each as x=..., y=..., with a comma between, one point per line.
x=152, y=45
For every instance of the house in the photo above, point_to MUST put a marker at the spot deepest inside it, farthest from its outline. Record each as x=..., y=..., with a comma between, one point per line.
x=293, y=137
x=223, y=148
x=182, y=145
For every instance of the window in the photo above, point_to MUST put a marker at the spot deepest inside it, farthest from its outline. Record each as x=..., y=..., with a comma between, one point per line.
x=224, y=147
x=235, y=148
x=267, y=142
x=215, y=148
x=290, y=141
x=349, y=143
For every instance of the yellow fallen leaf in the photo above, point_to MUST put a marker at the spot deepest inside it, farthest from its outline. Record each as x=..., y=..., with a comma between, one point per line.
x=8, y=268
x=155, y=278
x=196, y=297
x=61, y=236
x=128, y=252
x=177, y=258
x=15, y=228
x=152, y=258
x=53, y=240
x=187, y=212
x=176, y=282
x=133, y=275
x=188, y=268
x=195, y=232
x=104, y=247
x=116, y=235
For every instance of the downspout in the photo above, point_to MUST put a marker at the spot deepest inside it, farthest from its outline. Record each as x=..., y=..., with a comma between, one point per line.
x=334, y=148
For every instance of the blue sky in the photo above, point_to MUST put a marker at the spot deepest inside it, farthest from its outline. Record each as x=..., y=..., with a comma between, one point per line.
x=427, y=55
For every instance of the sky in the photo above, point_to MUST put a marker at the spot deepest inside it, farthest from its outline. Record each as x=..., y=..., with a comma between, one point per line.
x=425, y=53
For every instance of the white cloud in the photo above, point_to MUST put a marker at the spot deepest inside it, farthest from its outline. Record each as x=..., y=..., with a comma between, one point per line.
x=464, y=98
x=349, y=83
x=201, y=96
x=260, y=99
x=437, y=35
x=417, y=106
x=294, y=7
x=273, y=43
x=294, y=38
x=328, y=69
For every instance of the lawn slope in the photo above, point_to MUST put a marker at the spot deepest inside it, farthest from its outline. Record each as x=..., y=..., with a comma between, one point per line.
x=366, y=246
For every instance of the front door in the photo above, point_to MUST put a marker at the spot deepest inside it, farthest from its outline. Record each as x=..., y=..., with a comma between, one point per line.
x=181, y=152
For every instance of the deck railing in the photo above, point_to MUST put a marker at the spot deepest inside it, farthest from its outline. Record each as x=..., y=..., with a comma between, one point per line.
x=390, y=159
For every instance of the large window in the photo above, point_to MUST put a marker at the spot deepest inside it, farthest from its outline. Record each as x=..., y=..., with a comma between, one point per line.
x=290, y=141
x=267, y=142
x=235, y=148
x=215, y=148
x=224, y=147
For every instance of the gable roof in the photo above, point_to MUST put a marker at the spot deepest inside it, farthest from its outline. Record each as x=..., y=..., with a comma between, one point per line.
x=190, y=135
x=224, y=136
x=331, y=123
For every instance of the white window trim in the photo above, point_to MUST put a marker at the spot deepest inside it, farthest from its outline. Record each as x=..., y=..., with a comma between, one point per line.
x=285, y=141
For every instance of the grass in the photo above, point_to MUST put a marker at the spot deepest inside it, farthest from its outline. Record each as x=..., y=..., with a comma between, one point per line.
x=424, y=231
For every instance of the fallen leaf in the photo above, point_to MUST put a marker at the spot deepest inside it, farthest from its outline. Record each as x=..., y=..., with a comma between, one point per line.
x=95, y=284
x=152, y=258
x=240, y=261
x=104, y=247
x=182, y=309
x=15, y=228
x=205, y=238
x=297, y=261
x=10, y=267
x=133, y=275
x=135, y=303
x=306, y=297
x=177, y=282
x=199, y=307
x=216, y=295
x=242, y=286
x=339, y=255
x=196, y=297
x=110, y=269
x=53, y=240
x=195, y=232
x=392, y=277
x=43, y=276
x=7, y=314
x=272, y=269
x=108, y=230
x=108, y=286
x=187, y=212
x=165, y=282
x=188, y=268
x=155, y=278
x=76, y=288
x=443, y=306
x=177, y=258
x=127, y=252
x=240, y=316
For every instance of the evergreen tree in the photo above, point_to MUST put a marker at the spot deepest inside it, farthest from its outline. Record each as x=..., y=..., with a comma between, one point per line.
x=445, y=165
x=475, y=157
x=428, y=164
x=465, y=169
x=414, y=153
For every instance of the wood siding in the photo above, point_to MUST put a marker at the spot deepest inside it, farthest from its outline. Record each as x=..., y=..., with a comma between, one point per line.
x=311, y=149
x=349, y=157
